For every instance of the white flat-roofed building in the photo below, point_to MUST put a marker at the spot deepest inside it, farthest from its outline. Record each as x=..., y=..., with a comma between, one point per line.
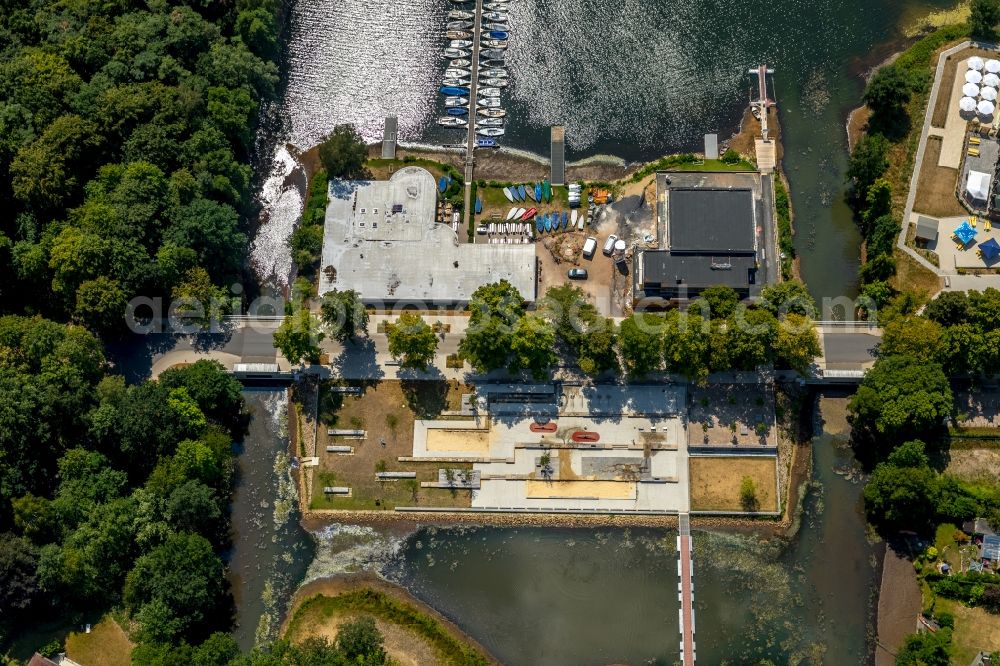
x=381, y=240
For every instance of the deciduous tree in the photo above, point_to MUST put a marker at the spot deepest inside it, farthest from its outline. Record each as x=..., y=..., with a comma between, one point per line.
x=413, y=341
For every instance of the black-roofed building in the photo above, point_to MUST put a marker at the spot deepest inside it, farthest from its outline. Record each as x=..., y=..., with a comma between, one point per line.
x=708, y=237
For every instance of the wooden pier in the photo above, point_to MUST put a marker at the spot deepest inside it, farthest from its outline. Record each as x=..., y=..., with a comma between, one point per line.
x=389, y=138
x=557, y=153
x=470, y=146
x=685, y=589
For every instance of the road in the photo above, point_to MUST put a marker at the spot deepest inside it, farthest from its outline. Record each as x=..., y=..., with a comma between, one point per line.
x=772, y=263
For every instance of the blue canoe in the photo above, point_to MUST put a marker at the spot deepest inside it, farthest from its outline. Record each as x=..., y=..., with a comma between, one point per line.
x=479, y=205
x=498, y=34
x=548, y=222
x=565, y=219
x=538, y=224
x=454, y=91
x=517, y=194
x=457, y=111
x=443, y=184
x=522, y=192
x=538, y=192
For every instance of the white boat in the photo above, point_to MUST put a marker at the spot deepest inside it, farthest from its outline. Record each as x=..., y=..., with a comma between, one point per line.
x=489, y=92
x=496, y=83
x=460, y=25
x=490, y=122
x=460, y=15
x=455, y=73
x=458, y=83
x=489, y=131
x=517, y=216
x=492, y=113
x=453, y=121
x=510, y=214
x=456, y=101
x=494, y=73
x=458, y=34
x=496, y=26
x=507, y=193
x=495, y=16
x=496, y=6
x=455, y=53
x=492, y=43
x=460, y=44
x=489, y=102
x=461, y=62
x=491, y=54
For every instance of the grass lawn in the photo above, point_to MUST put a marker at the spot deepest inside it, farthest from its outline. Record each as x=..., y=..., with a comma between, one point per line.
x=386, y=412
x=975, y=630
x=715, y=482
x=383, y=169
x=911, y=276
x=411, y=635
x=715, y=165
x=936, y=185
x=105, y=645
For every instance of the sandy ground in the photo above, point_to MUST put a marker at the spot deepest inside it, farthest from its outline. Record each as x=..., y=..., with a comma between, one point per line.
x=898, y=606
x=468, y=441
x=936, y=187
x=975, y=465
x=715, y=482
x=402, y=644
x=580, y=489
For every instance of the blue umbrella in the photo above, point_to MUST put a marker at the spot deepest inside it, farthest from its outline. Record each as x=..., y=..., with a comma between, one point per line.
x=990, y=249
x=965, y=232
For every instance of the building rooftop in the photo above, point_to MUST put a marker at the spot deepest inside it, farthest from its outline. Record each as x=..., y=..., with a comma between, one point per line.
x=711, y=220
x=668, y=275
x=927, y=228
x=381, y=240
x=991, y=547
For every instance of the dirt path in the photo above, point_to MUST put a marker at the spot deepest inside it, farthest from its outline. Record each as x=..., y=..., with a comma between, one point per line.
x=898, y=606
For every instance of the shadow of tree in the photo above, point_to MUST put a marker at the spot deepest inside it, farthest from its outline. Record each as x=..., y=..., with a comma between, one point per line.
x=426, y=397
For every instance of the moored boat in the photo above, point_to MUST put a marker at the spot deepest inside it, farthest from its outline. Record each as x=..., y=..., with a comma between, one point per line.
x=454, y=91
x=493, y=43
x=492, y=54
x=461, y=63
x=455, y=53
x=460, y=15
x=457, y=83
x=456, y=101
x=452, y=121
x=488, y=92
x=495, y=83
x=496, y=6
x=459, y=44
x=492, y=113
x=494, y=73
x=495, y=16
x=497, y=34
x=461, y=25
x=456, y=73
x=458, y=111
x=460, y=34
x=486, y=143
x=497, y=26
x=489, y=102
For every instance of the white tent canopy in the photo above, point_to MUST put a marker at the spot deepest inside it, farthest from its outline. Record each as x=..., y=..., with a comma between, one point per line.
x=991, y=80
x=970, y=90
x=978, y=185
x=975, y=62
x=993, y=66
x=973, y=76
x=986, y=108
x=967, y=104
x=988, y=93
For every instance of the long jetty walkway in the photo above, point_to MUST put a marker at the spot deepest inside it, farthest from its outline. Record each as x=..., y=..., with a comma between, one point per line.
x=470, y=148
x=685, y=589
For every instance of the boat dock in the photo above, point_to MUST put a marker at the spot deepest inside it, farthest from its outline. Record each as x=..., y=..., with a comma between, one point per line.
x=389, y=138
x=764, y=147
x=557, y=150
x=470, y=147
x=685, y=589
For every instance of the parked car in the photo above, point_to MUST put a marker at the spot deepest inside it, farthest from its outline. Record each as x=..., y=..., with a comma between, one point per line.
x=609, y=245
x=577, y=273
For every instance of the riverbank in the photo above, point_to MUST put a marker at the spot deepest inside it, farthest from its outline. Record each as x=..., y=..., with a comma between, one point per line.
x=898, y=606
x=414, y=632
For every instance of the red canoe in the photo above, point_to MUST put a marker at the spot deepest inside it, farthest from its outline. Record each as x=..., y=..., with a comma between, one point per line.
x=528, y=214
x=543, y=427
x=586, y=436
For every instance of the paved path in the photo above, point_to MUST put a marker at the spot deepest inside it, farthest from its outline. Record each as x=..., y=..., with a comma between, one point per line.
x=685, y=571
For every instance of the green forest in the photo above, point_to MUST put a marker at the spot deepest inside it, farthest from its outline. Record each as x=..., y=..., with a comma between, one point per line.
x=126, y=131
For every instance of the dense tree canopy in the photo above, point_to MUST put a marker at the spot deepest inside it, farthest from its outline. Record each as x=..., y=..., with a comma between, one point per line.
x=413, y=341
x=343, y=314
x=494, y=310
x=343, y=153
x=126, y=130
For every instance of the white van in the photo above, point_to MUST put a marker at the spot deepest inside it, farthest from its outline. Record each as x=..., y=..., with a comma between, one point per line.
x=589, y=246
x=609, y=245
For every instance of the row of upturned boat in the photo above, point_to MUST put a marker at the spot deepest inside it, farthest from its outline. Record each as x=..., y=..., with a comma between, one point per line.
x=540, y=192
x=485, y=111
